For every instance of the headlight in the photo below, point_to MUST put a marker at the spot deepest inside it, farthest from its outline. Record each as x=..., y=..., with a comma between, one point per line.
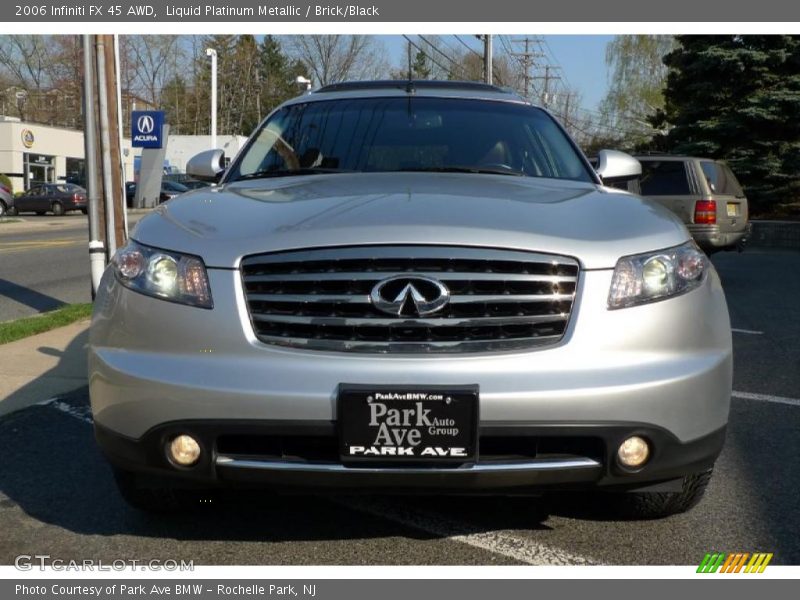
x=643, y=278
x=168, y=275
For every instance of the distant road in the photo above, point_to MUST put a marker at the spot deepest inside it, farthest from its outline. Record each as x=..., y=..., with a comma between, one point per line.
x=44, y=263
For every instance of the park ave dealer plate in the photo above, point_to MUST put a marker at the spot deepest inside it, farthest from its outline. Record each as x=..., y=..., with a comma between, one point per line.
x=407, y=423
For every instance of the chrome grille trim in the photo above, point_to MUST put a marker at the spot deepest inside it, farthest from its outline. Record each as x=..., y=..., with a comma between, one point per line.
x=500, y=300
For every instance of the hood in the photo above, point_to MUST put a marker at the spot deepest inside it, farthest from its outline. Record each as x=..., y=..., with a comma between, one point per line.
x=596, y=225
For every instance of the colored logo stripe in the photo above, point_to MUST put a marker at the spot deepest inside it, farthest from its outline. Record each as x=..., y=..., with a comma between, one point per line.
x=733, y=563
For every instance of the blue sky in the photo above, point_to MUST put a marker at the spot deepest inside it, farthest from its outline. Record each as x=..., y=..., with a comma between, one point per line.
x=582, y=58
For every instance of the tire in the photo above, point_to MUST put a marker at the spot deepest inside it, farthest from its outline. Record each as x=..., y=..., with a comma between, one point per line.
x=85, y=211
x=148, y=496
x=657, y=505
x=58, y=209
x=3, y=209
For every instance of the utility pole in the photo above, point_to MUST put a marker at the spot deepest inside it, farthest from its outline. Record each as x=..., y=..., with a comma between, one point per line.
x=103, y=156
x=97, y=258
x=547, y=79
x=528, y=59
x=487, y=58
x=567, y=117
x=408, y=52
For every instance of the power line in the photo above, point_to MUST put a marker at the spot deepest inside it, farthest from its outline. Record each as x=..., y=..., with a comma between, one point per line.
x=429, y=57
x=452, y=62
x=468, y=47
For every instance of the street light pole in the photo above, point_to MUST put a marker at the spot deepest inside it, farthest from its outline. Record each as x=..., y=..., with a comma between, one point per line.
x=213, y=54
x=97, y=251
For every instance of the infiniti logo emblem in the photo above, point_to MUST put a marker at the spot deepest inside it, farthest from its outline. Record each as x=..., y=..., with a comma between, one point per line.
x=409, y=295
x=145, y=124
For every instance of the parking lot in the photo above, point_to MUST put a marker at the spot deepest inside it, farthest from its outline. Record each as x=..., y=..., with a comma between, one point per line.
x=57, y=495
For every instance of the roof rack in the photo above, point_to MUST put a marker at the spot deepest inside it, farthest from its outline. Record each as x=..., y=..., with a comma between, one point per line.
x=406, y=84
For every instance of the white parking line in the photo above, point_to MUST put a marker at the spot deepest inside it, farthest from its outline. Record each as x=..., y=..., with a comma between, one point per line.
x=503, y=543
x=82, y=413
x=747, y=331
x=766, y=398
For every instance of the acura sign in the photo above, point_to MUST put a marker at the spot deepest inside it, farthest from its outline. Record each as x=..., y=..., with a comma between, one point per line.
x=146, y=128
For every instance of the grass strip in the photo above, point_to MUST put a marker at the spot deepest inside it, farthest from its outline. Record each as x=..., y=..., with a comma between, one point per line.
x=11, y=331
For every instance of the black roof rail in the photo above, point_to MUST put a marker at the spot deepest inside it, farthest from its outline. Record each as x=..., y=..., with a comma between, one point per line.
x=409, y=85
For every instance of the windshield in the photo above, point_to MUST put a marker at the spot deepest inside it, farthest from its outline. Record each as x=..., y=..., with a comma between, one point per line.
x=410, y=134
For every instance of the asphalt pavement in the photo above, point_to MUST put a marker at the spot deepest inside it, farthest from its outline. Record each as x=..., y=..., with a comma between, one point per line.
x=44, y=264
x=57, y=495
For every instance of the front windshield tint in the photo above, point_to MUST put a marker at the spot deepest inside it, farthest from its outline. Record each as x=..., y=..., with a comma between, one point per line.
x=410, y=134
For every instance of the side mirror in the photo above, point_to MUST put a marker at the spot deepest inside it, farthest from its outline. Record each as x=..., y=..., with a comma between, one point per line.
x=207, y=166
x=617, y=166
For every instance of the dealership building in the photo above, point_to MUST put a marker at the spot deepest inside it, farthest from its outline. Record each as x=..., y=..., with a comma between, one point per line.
x=32, y=154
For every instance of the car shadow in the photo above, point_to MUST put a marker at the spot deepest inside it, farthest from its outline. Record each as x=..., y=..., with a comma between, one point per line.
x=29, y=297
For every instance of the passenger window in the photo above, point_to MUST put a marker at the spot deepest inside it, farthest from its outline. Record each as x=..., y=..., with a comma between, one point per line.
x=664, y=178
x=721, y=179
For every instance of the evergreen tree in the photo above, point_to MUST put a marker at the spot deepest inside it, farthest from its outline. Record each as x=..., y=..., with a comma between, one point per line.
x=277, y=74
x=738, y=98
x=420, y=68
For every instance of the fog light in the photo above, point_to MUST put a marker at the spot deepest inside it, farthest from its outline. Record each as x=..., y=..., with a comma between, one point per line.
x=633, y=452
x=184, y=450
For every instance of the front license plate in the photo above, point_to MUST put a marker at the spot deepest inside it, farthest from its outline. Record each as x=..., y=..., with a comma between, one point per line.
x=733, y=209
x=407, y=423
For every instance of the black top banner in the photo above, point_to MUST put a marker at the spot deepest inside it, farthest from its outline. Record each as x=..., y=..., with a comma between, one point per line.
x=439, y=11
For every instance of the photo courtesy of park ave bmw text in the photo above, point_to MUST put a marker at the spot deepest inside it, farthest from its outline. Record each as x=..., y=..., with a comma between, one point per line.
x=323, y=300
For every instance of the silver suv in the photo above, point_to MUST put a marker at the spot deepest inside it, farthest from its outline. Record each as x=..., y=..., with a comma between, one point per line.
x=411, y=286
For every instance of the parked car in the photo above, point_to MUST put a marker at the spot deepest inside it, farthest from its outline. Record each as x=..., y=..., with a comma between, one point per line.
x=6, y=201
x=57, y=198
x=130, y=193
x=414, y=286
x=194, y=184
x=169, y=189
x=703, y=192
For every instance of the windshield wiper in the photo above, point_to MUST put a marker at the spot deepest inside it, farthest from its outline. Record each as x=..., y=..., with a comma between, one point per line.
x=467, y=169
x=289, y=173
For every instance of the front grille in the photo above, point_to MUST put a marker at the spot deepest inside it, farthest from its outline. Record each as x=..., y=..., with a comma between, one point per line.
x=320, y=299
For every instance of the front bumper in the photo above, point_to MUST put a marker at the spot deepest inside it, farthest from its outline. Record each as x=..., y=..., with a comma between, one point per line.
x=663, y=370
x=562, y=457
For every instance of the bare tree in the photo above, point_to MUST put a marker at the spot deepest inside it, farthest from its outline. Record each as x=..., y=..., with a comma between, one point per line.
x=334, y=58
x=150, y=61
x=26, y=59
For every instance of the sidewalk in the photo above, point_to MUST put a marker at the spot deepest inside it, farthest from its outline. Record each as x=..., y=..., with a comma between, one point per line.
x=43, y=366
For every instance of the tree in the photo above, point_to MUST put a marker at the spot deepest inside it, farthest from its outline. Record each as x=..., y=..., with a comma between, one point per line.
x=636, y=85
x=738, y=98
x=420, y=67
x=277, y=74
x=335, y=58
